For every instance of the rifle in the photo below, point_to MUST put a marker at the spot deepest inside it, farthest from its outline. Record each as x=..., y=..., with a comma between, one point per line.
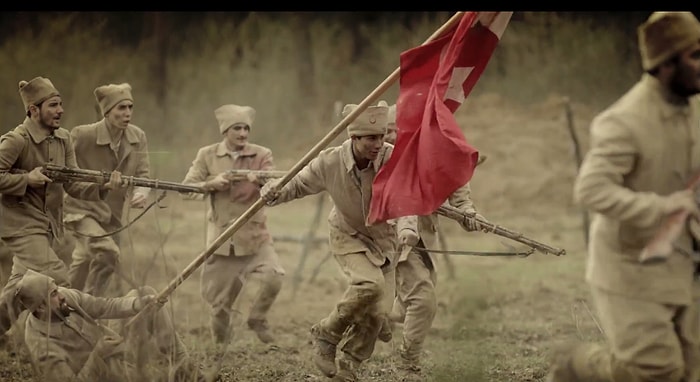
x=63, y=174
x=461, y=216
x=263, y=175
x=660, y=247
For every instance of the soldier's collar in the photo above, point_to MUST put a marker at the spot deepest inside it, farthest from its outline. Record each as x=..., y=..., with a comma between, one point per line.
x=222, y=150
x=103, y=137
x=349, y=159
x=38, y=134
x=672, y=104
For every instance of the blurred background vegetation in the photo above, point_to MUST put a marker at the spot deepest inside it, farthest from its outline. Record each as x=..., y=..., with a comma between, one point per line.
x=291, y=67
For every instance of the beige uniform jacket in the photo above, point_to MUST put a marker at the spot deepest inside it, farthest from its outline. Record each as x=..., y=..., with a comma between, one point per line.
x=643, y=147
x=335, y=172
x=27, y=210
x=92, y=150
x=224, y=207
x=61, y=351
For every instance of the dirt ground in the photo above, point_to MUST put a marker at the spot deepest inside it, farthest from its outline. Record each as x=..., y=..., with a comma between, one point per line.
x=498, y=318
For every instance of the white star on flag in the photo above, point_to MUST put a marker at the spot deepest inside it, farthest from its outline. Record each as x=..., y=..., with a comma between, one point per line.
x=455, y=91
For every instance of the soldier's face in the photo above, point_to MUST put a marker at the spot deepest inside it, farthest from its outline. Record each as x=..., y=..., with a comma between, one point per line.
x=57, y=304
x=368, y=146
x=50, y=113
x=120, y=115
x=237, y=135
x=686, y=77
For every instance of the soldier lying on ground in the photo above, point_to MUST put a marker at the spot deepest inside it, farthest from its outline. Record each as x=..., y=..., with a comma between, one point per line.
x=66, y=343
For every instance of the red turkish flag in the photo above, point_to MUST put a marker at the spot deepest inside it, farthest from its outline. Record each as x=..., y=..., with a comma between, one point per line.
x=431, y=158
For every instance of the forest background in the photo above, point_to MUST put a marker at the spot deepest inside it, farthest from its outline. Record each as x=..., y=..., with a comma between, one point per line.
x=291, y=67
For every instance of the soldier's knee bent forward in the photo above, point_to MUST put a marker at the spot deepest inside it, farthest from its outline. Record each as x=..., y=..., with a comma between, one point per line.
x=370, y=292
x=366, y=294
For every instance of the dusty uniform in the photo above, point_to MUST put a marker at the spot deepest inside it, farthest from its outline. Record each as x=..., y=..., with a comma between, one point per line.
x=95, y=259
x=416, y=303
x=645, y=146
x=249, y=250
x=32, y=216
x=366, y=254
x=64, y=350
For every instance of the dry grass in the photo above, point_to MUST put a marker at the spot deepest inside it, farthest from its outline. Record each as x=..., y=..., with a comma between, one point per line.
x=498, y=318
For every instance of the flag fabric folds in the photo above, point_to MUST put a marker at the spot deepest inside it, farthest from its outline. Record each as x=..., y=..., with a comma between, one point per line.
x=432, y=158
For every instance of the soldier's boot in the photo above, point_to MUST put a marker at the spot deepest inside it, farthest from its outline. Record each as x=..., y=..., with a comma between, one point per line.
x=386, y=332
x=580, y=363
x=262, y=330
x=348, y=367
x=323, y=352
x=409, y=362
x=221, y=327
x=269, y=289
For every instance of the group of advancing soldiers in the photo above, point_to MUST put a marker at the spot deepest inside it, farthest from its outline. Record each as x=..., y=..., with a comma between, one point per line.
x=644, y=148
x=61, y=309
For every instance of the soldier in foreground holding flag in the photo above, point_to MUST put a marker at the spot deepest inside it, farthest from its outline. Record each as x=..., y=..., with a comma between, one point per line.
x=366, y=253
x=644, y=148
x=415, y=304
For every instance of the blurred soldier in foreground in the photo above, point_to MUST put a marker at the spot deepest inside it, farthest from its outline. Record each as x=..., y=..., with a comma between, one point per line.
x=644, y=149
x=415, y=304
x=32, y=205
x=365, y=253
x=250, y=250
x=111, y=144
x=66, y=343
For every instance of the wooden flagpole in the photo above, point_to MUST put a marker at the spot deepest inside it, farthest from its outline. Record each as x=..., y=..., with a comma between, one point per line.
x=260, y=203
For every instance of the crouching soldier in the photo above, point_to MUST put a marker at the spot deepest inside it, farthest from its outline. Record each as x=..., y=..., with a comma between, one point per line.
x=66, y=343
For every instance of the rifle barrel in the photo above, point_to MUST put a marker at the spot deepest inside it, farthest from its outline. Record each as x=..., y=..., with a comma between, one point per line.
x=455, y=214
x=63, y=173
x=262, y=173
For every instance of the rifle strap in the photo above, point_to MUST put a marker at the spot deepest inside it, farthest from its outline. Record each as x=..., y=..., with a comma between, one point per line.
x=116, y=231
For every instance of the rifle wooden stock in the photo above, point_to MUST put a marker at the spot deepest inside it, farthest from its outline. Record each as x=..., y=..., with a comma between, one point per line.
x=264, y=175
x=660, y=247
x=63, y=174
x=461, y=216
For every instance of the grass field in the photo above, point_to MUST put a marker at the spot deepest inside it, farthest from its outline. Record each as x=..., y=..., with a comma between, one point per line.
x=498, y=318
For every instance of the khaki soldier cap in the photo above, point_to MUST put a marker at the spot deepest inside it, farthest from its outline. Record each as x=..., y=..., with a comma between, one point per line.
x=664, y=35
x=372, y=121
x=34, y=289
x=229, y=115
x=109, y=95
x=36, y=91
